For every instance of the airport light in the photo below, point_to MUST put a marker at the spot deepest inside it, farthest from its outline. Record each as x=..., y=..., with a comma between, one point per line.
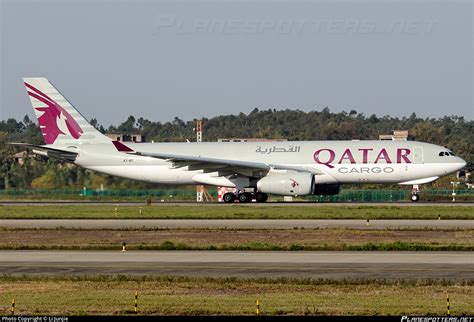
x=455, y=184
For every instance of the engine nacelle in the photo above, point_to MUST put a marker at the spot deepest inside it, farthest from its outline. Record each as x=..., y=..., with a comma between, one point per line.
x=326, y=189
x=287, y=184
x=296, y=184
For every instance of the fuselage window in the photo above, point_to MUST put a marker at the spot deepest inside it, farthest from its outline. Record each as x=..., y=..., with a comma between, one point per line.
x=441, y=154
x=451, y=154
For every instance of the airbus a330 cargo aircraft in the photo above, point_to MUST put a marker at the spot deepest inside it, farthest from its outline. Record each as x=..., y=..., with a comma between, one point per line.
x=255, y=169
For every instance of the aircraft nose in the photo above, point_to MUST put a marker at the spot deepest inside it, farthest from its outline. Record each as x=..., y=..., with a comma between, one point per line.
x=461, y=163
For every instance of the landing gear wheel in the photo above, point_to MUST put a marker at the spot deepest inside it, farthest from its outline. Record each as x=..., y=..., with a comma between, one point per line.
x=228, y=197
x=250, y=196
x=245, y=197
x=415, y=197
x=261, y=197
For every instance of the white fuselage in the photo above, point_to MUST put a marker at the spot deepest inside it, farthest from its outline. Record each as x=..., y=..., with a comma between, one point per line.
x=403, y=162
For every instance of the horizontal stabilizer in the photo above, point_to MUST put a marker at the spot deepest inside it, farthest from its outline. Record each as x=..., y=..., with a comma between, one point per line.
x=53, y=153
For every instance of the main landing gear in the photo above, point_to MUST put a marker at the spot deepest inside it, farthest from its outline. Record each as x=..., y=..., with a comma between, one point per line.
x=244, y=197
x=415, y=193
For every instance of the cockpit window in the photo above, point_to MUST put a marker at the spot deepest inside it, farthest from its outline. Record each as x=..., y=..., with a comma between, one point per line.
x=444, y=153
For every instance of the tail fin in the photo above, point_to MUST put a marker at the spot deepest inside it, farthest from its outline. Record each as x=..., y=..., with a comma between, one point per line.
x=59, y=121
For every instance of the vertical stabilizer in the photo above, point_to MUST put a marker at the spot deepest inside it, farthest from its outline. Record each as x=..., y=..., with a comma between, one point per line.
x=59, y=121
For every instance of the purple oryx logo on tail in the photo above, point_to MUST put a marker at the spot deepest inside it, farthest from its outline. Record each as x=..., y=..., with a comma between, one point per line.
x=55, y=119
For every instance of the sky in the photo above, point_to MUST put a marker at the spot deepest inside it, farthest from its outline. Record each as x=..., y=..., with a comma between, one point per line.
x=192, y=59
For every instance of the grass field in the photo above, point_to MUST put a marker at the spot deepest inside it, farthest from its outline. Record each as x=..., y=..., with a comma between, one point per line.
x=236, y=212
x=193, y=296
x=103, y=295
x=230, y=239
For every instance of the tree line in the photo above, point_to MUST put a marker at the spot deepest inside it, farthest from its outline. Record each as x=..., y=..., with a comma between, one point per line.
x=453, y=132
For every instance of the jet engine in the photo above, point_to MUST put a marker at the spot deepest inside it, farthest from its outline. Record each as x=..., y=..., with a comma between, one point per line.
x=295, y=184
x=287, y=184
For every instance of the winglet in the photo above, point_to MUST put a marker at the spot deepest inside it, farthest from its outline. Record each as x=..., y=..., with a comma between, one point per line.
x=121, y=147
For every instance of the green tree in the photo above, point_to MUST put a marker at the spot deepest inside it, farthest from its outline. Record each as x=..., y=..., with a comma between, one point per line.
x=49, y=180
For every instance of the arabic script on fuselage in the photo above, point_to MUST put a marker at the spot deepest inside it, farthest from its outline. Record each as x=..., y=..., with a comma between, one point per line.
x=275, y=149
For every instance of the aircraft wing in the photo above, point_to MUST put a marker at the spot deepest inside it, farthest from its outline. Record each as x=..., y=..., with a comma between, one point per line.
x=223, y=165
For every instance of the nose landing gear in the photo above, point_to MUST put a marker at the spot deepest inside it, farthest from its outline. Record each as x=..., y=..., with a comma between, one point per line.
x=415, y=193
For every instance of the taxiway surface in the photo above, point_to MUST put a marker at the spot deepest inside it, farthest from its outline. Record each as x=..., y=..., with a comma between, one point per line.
x=321, y=264
x=234, y=224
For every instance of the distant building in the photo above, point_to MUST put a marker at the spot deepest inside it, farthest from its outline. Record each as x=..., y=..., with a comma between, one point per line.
x=20, y=157
x=251, y=140
x=137, y=138
x=399, y=135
